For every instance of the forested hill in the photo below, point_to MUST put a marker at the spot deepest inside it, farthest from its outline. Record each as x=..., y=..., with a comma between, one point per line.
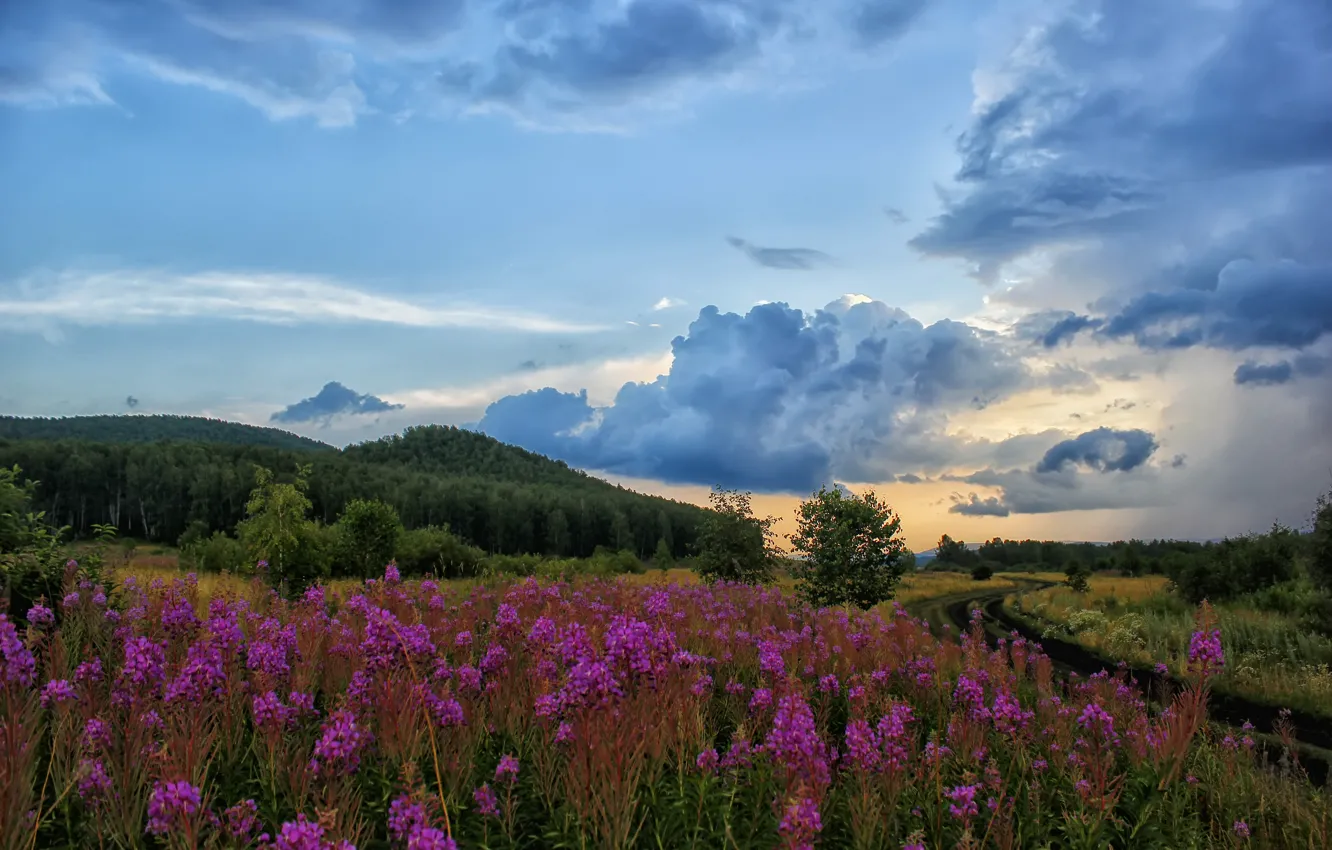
x=151, y=428
x=498, y=497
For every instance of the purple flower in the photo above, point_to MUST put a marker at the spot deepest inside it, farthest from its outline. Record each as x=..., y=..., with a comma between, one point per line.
x=57, y=691
x=486, y=802
x=507, y=771
x=94, y=784
x=19, y=666
x=1241, y=829
x=339, y=748
x=241, y=820
x=405, y=816
x=71, y=600
x=391, y=574
x=795, y=745
x=964, y=802
x=300, y=834
x=708, y=760
x=96, y=734
x=143, y=661
x=801, y=822
x=40, y=615
x=1206, y=656
x=429, y=838
x=170, y=805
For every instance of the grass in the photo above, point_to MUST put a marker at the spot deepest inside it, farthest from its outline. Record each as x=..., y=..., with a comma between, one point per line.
x=1270, y=657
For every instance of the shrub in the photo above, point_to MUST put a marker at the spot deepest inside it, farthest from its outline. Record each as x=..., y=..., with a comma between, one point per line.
x=437, y=551
x=733, y=544
x=982, y=572
x=368, y=533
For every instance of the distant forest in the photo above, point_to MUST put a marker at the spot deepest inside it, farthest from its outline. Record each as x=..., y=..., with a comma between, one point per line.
x=153, y=476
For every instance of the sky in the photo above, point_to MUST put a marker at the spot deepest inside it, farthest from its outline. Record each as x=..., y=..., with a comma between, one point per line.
x=1026, y=268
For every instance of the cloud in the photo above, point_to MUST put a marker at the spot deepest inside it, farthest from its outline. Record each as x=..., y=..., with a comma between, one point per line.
x=1280, y=372
x=667, y=303
x=131, y=402
x=776, y=400
x=568, y=64
x=1104, y=449
x=974, y=505
x=801, y=259
x=136, y=296
x=333, y=400
x=895, y=215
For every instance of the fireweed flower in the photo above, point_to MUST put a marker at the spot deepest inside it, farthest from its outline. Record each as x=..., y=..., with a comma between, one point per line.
x=963, y=802
x=391, y=574
x=89, y=671
x=429, y=838
x=795, y=745
x=406, y=815
x=143, y=662
x=71, y=600
x=40, y=615
x=170, y=805
x=507, y=771
x=19, y=667
x=707, y=761
x=340, y=745
x=486, y=802
x=96, y=734
x=94, y=784
x=1206, y=656
x=57, y=691
x=241, y=820
x=800, y=823
x=1241, y=829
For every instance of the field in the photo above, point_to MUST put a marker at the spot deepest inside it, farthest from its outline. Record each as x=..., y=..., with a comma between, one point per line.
x=1271, y=658
x=641, y=712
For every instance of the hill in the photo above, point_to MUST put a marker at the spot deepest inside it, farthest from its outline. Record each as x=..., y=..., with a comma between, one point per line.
x=155, y=477
x=151, y=428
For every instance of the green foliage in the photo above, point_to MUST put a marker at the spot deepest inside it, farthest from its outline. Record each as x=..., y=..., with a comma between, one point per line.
x=278, y=533
x=368, y=530
x=662, y=558
x=982, y=572
x=1320, y=542
x=950, y=553
x=436, y=551
x=31, y=561
x=139, y=428
x=497, y=497
x=216, y=553
x=1076, y=575
x=852, y=546
x=1238, y=565
x=733, y=544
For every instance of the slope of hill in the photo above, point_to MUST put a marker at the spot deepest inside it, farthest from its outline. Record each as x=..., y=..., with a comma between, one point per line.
x=154, y=482
x=151, y=428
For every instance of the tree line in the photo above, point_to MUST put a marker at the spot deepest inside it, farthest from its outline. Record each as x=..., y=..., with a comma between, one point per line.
x=497, y=498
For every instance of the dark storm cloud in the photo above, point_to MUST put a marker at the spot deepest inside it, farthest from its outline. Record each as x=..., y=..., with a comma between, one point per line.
x=1104, y=449
x=878, y=21
x=333, y=400
x=1280, y=372
x=779, y=401
x=974, y=505
x=801, y=259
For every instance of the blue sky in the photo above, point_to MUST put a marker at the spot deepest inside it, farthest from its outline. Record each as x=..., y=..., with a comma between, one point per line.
x=1085, y=242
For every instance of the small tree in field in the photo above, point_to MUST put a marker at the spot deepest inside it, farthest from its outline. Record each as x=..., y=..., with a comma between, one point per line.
x=1076, y=574
x=368, y=532
x=662, y=559
x=277, y=529
x=853, y=549
x=733, y=544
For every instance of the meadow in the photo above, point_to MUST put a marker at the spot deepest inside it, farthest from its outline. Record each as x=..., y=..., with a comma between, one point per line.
x=1273, y=658
x=635, y=712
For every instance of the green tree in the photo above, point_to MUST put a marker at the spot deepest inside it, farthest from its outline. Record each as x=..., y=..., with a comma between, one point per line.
x=1320, y=542
x=1076, y=574
x=982, y=572
x=557, y=533
x=852, y=547
x=277, y=529
x=954, y=553
x=368, y=532
x=31, y=561
x=733, y=544
x=662, y=558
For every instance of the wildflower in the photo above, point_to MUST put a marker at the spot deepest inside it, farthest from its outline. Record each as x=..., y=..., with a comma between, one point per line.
x=963, y=799
x=507, y=771
x=96, y=734
x=429, y=838
x=19, y=666
x=486, y=802
x=241, y=820
x=94, y=784
x=800, y=823
x=170, y=804
x=57, y=691
x=391, y=574
x=463, y=638
x=1206, y=656
x=339, y=745
x=71, y=600
x=300, y=834
x=40, y=615
x=1241, y=829
x=405, y=816
x=707, y=761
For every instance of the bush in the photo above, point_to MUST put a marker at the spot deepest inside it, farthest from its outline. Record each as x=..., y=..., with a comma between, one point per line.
x=368, y=532
x=982, y=572
x=215, y=554
x=437, y=551
x=733, y=544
